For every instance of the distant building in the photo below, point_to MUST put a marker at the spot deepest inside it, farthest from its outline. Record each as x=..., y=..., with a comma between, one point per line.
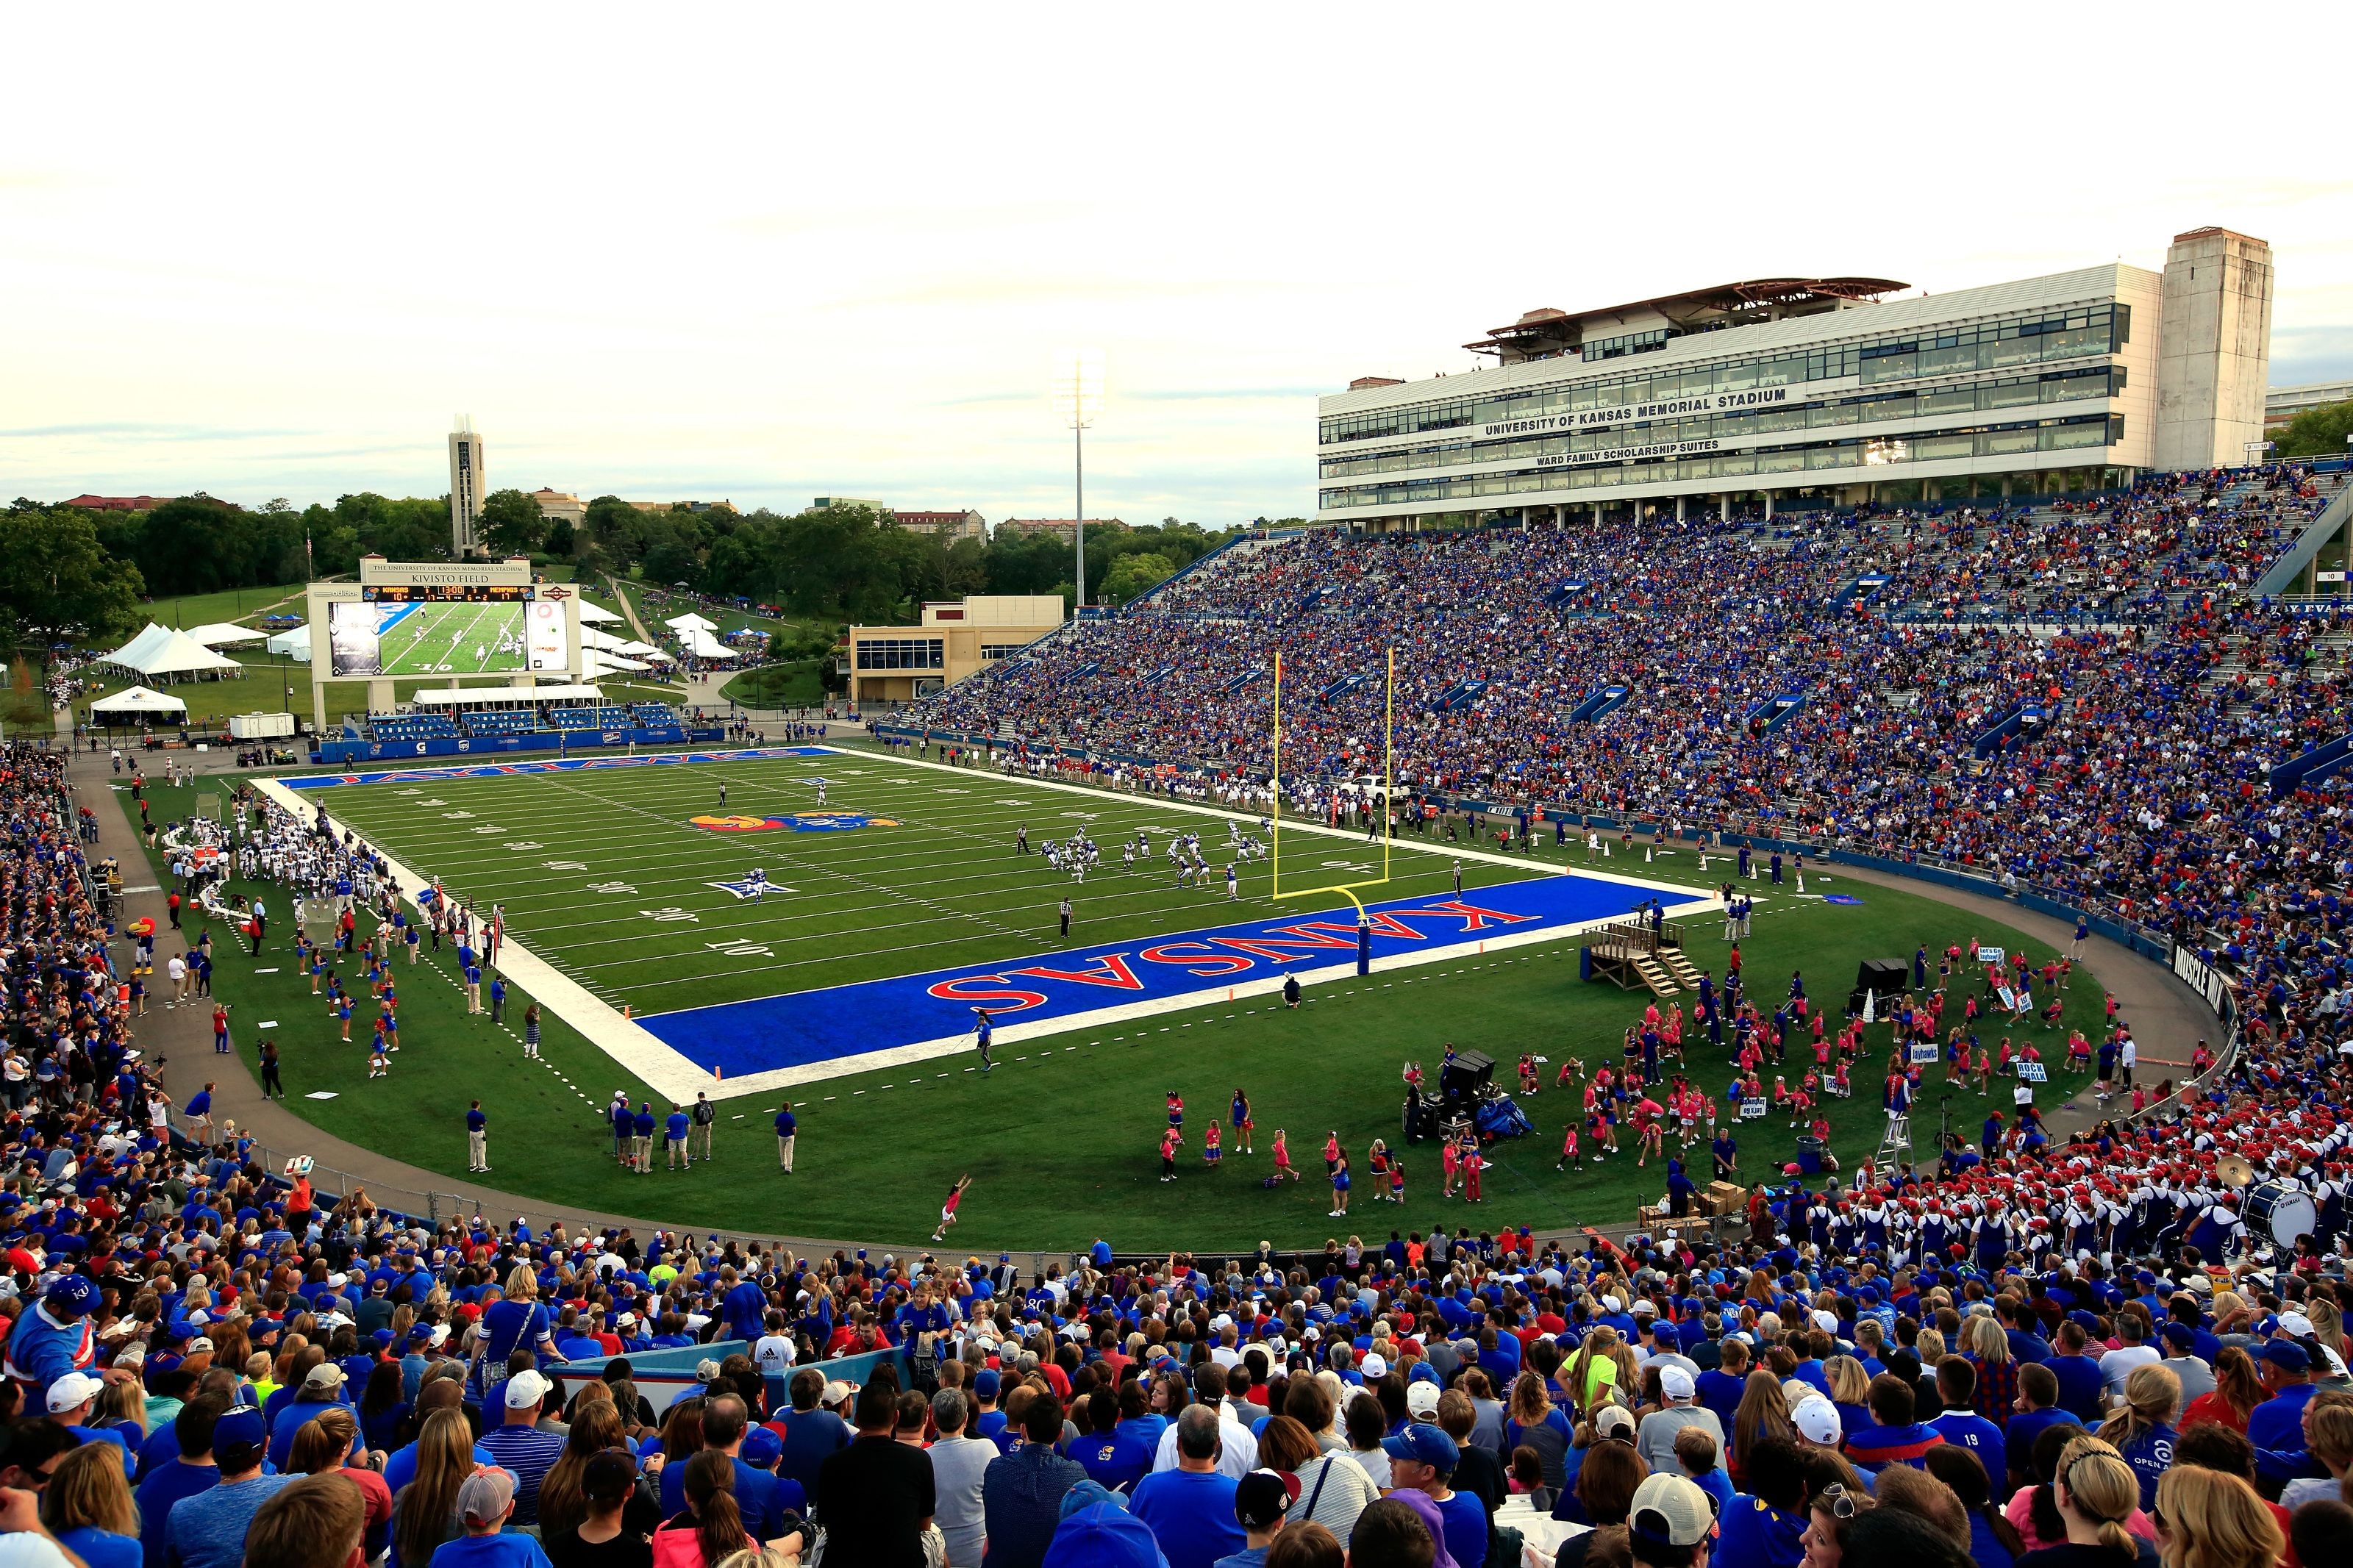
x=1062, y=525
x=948, y=525
x=847, y=503
x=556, y=505
x=692, y=506
x=898, y=664
x=470, y=481
x=2282, y=404
x=119, y=503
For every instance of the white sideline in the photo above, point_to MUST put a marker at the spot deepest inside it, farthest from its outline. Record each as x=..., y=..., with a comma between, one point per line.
x=670, y=1073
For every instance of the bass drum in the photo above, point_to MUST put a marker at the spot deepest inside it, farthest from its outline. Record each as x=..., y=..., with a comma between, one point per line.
x=2280, y=1212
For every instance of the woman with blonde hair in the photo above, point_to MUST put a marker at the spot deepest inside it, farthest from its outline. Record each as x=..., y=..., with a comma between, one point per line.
x=86, y=1506
x=425, y=1511
x=1762, y=1413
x=517, y=1321
x=2328, y=1437
x=1849, y=1391
x=2095, y=1493
x=2209, y=1520
x=2142, y=1432
x=1592, y=1369
x=1987, y=1348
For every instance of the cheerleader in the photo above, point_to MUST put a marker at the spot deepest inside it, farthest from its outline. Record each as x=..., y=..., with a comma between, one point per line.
x=1450, y=1160
x=1569, y=1148
x=1212, y=1149
x=1397, y=1180
x=1243, y=1124
x=1283, y=1166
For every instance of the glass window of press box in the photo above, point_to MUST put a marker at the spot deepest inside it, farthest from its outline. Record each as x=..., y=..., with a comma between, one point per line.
x=2038, y=338
x=901, y=653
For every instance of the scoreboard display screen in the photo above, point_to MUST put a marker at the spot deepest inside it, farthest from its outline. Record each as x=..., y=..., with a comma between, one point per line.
x=433, y=629
x=448, y=593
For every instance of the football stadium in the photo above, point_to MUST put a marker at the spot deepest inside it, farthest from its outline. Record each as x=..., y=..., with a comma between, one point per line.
x=1735, y=954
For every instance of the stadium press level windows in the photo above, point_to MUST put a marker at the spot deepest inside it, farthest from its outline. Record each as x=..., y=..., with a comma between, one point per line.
x=901, y=653
x=2001, y=344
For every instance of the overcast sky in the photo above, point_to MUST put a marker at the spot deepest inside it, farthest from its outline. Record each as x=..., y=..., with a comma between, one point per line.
x=700, y=252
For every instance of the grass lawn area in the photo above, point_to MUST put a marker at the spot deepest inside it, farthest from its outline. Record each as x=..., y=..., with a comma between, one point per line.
x=243, y=605
x=797, y=683
x=657, y=604
x=1063, y=1140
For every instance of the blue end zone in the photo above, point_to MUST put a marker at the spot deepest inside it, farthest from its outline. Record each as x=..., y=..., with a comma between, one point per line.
x=841, y=1021
x=552, y=765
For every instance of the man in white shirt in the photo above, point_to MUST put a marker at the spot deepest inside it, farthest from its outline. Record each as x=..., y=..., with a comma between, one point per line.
x=1238, y=1451
x=2119, y=1365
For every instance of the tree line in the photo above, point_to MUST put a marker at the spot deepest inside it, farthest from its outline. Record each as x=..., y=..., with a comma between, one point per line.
x=72, y=575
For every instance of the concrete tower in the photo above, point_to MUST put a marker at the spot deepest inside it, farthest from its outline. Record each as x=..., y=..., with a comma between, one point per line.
x=470, y=481
x=2213, y=349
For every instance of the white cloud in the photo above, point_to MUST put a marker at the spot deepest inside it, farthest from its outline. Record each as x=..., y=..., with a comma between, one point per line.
x=767, y=253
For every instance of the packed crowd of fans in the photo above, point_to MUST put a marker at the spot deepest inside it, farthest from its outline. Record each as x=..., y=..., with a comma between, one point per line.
x=2095, y=1348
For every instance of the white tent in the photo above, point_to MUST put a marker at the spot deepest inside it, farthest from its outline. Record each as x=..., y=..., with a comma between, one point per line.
x=691, y=622
x=151, y=638
x=594, y=663
x=596, y=614
x=138, y=699
x=702, y=645
x=602, y=642
x=295, y=644
x=180, y=654
x=222, y=634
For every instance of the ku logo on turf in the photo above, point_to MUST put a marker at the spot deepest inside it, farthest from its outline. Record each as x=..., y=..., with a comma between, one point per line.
x=798, y=822
x=755, y=886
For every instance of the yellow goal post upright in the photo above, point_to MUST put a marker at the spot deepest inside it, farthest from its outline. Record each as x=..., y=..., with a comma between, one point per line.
x=1385, y=806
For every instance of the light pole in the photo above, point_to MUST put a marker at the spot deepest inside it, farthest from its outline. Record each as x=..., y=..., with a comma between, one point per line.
x=1077, y=397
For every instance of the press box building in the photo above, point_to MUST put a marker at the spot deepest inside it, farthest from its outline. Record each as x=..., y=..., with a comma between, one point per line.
x=1812, y=392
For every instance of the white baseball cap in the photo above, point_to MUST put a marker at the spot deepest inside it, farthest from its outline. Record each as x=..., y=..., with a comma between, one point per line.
x=1421, y=1398
x=72, y=1391
x=1373, y=1366
x=1817, y=1421
x=1676, y=1382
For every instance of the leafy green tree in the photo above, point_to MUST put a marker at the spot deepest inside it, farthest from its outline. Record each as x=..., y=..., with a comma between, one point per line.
x=615, y=528
x=510, y=523
x=2317, y=433
x=58, y=584
x=559, y=541
x=1132, y=573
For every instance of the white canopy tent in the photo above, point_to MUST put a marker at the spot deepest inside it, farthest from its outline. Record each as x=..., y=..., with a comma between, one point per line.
x=595, y=662
x=295, y=644
x=161, y=650
x=702, y=645
x=223, y=634
x=597, y=615
x=644, y=650
x=602, y=642
x=691, y=622
x=151, y=638
x=180, y=654
x=138, y=701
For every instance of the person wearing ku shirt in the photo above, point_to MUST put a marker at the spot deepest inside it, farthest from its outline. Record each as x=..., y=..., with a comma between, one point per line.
x=54, y=1338
x=1956, y=1383
x=674, y=1130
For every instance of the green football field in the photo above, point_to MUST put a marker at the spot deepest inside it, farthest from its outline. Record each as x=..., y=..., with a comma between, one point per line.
x=607, y=875
x=442, y=639
x=1063, y=1138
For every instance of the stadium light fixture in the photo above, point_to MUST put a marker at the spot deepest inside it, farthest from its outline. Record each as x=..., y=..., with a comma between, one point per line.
x=1078, y=395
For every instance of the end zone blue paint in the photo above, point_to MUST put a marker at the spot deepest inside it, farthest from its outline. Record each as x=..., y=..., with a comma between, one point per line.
x=548, y=765
x=808, y=1027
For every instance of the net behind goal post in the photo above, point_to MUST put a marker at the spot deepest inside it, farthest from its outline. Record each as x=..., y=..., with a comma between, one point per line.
x=1383, y=807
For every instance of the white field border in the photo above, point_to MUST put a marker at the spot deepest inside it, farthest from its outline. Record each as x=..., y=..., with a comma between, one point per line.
x=669, y=1072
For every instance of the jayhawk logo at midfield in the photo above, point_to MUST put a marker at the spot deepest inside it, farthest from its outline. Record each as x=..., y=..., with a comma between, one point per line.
x=799, y=821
